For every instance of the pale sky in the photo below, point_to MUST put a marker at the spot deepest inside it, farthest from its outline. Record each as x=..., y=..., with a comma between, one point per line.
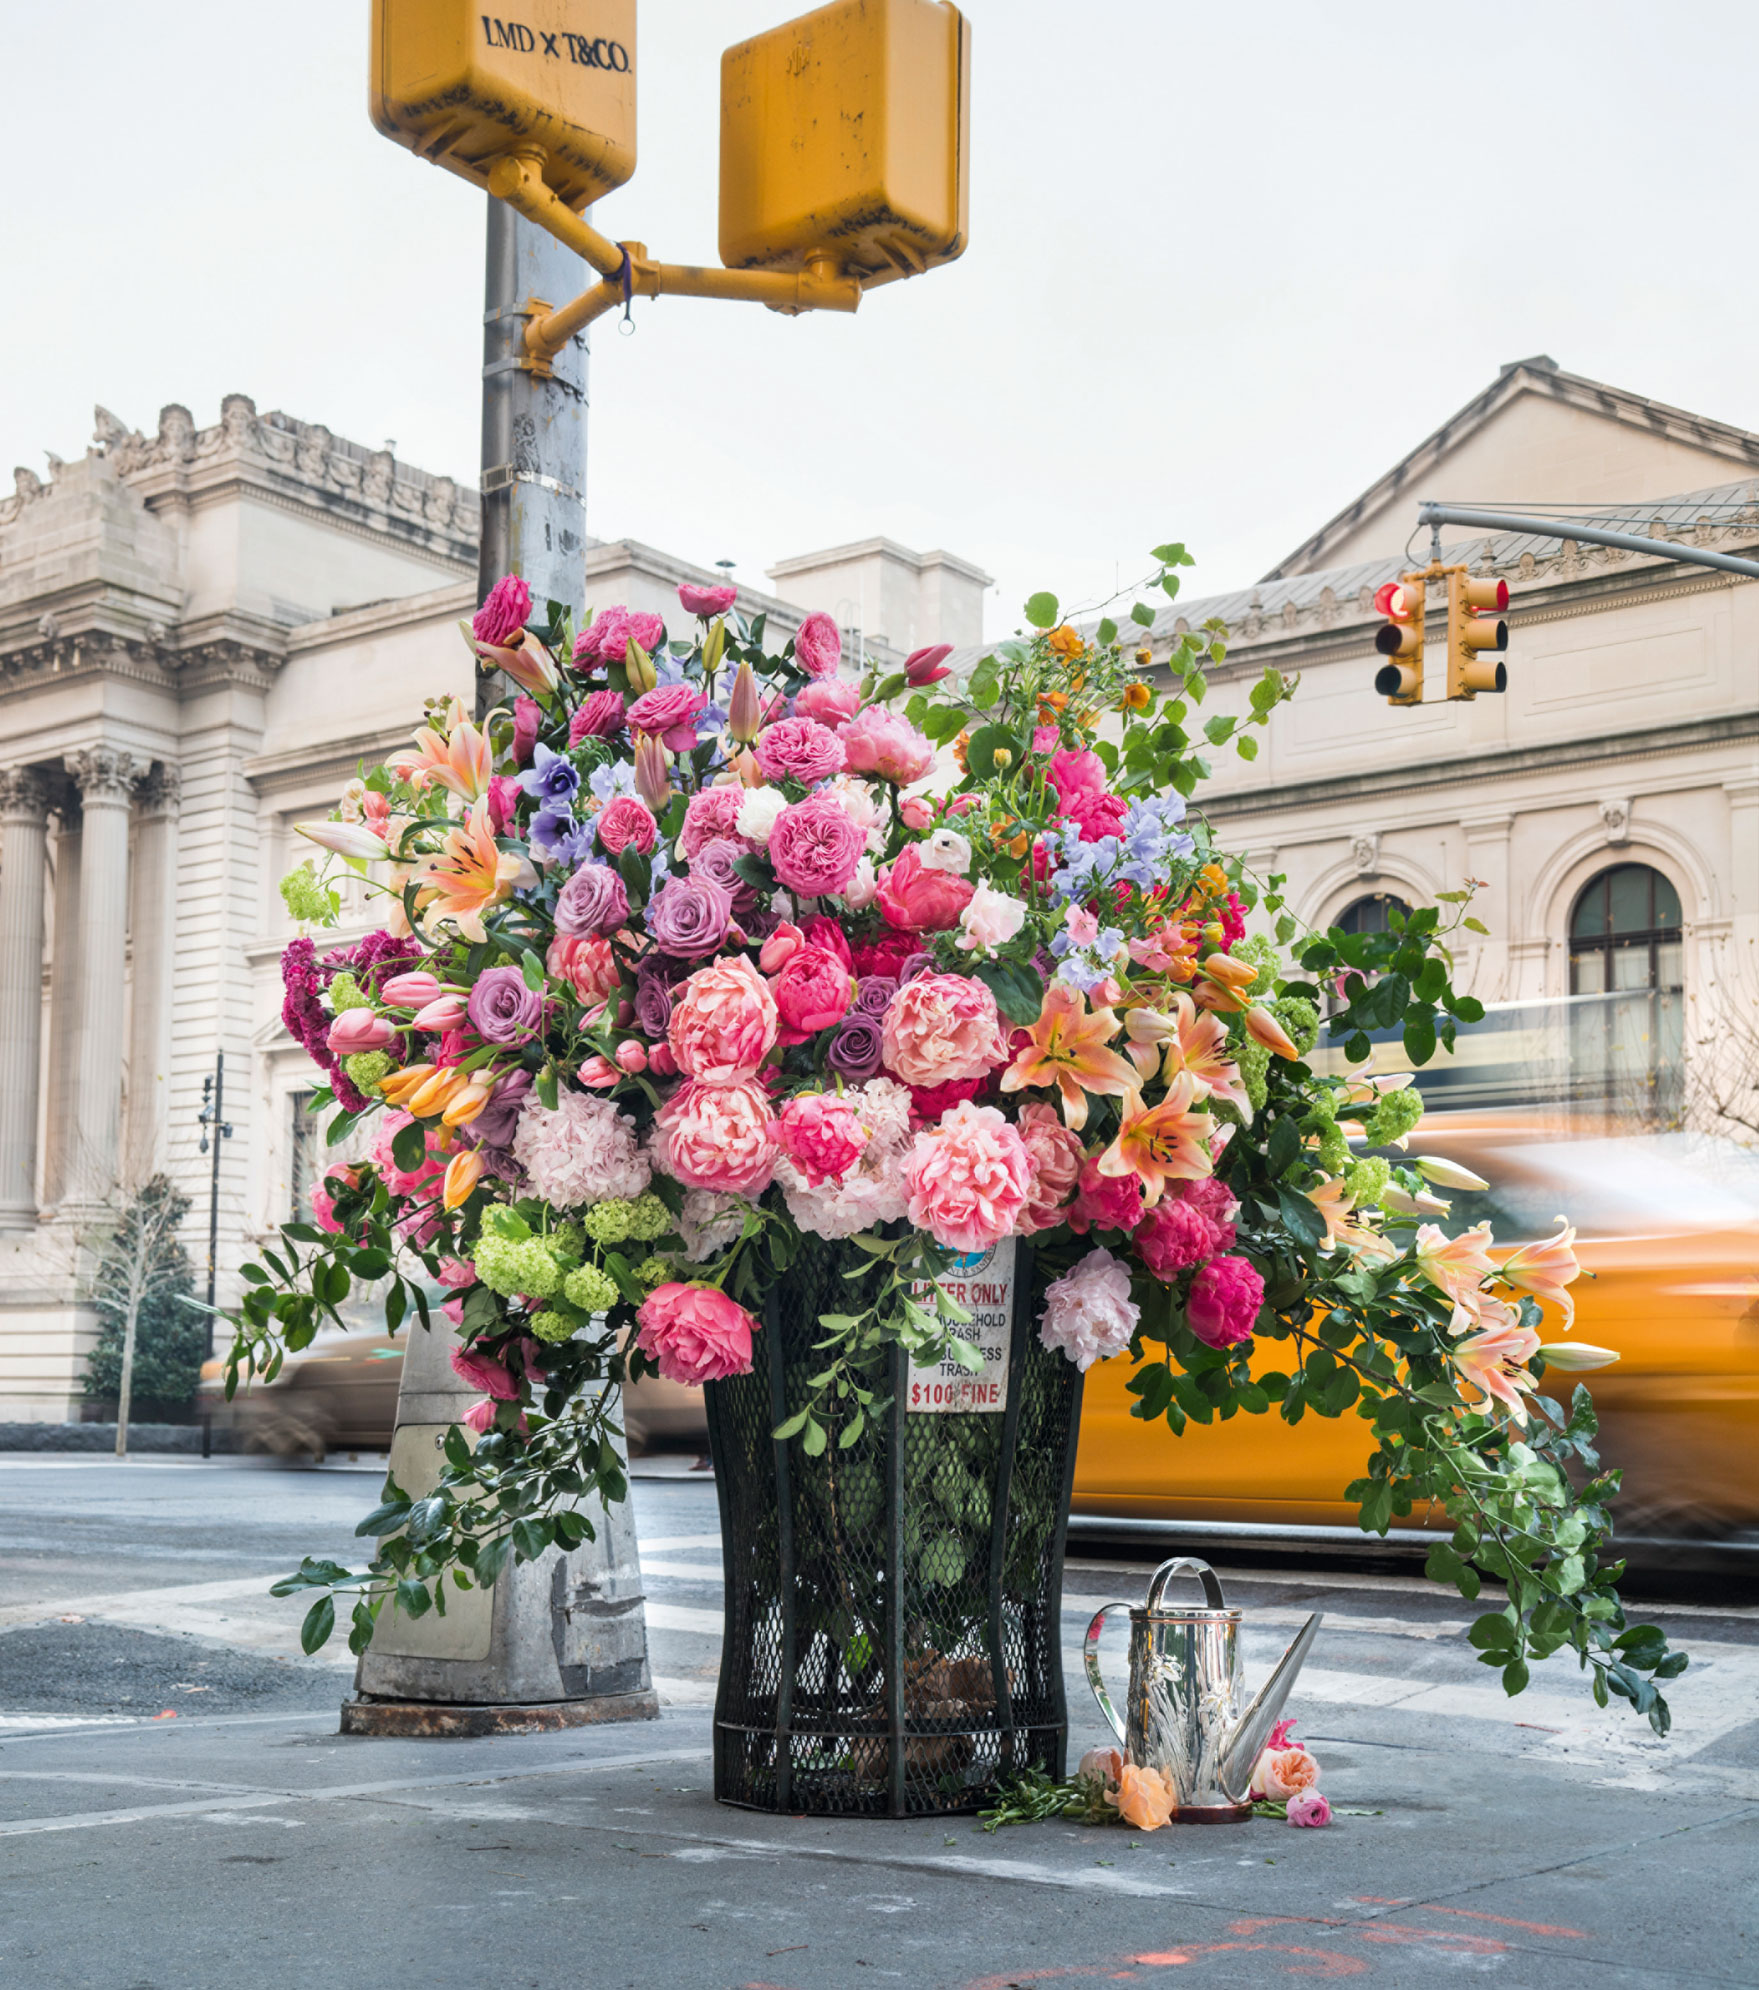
x=1228, y=262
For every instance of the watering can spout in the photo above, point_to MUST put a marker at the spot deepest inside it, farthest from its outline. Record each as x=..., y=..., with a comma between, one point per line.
x=1243, y=1750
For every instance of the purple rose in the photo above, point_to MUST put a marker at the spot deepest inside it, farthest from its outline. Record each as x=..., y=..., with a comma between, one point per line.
x=494, y=1125
x=592, y=901
x=502, y=1009
x=873, y=994
x=689, y=916
x=915, y=965
x=716, y=860
x=858, y=1047
x=653, y=1004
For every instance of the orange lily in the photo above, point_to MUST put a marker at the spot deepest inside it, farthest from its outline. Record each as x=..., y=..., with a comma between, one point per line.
x=1187, y=1041
x=468, y=875
x=463, y=1172
x=1495, y=1363
x=1545, y=1269
x=1066, y=1047
x=1163, y=1143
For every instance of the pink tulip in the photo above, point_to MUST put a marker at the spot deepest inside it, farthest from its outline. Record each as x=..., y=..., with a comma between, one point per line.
x=446, y=1012
x=360, y=1029
x=661, y=1062
x=410, y=991
x=924, y=666
x=599, y=1074
x=632, y=1056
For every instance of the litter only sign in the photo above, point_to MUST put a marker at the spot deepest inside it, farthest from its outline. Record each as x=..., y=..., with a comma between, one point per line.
x=983, y=1283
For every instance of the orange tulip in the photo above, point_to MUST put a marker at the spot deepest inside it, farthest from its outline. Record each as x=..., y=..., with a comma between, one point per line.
x=463, y=1172
x=470, y=1100
x=1066, y=1047
x=1163, y=1143
x=401, y=1086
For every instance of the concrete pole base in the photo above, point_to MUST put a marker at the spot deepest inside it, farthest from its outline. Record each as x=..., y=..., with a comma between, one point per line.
x=428, y=1720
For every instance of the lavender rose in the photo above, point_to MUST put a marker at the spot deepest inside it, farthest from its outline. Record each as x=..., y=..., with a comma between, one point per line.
x=858, y=1047
x=502, y=1009
x=494, y=1125
x=689, y=916
x=873, y=994
x=653, y=1004
x=716, y=861
x=592, y=901
x=916, y=964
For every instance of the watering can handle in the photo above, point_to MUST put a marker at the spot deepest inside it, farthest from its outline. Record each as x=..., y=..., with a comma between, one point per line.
x=1186, y=1565
x=1090, y=1657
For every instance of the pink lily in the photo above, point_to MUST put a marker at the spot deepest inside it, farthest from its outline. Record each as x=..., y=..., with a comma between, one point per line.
x=1545, y=1269
x=468, y=875
x=1571, y=1357
x=530, y=666
x=1335, y=1207
x=1458, y=1265
x=1187, y=1040
x=1494, y=1362
x=459, y=762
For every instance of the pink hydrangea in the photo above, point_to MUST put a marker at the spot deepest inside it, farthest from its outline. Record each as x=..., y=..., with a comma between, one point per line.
x=818, y=646
x=829, y=700
x=886, y=745
x=1088, y=1312
x=1104, y=1202
x=696, y=1333
x=815, y=847
x=671, y=712
x=723, y=1022
x=821, y=1135
x=1225, y=1299
x=607, y=641
x=967, y=1179
x=942, y=1028
x=1056, y=1155
x=799, y=749
x=711, y=813
x=1173, y=1237
x=718, y=1136
x=583, y=1151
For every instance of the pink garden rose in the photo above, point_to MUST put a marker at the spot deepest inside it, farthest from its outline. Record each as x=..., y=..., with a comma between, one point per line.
x=815, y=847
x=586, y=963
x=941, y=1028
x=718, y=1136
x=599, y=715
x=883, y=743
x=1104, y=1202
x=916, y=899
x=626, y=821
x=696, y=1333
x=1056, y=1155
x=799, y=749
x=1096, y=816
x=711, y=813
x=967, y=1179
x=481, y=1372
x=723, y=1022
x=671, y=712
x=1174, y=1236
x=829, y=700
x=1309, y=1808
x=1225, y=1297
x=818, y=646
x=706, y=602
x=323, y=1205
x=607, y=641
x=502, y=615
x=1076, y=771
x=822, y=1135
x=990, y=919
x=813, y=990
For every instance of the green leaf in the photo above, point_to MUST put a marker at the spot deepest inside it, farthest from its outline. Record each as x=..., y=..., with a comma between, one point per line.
x=1246, y=746
x=532, y=969
x=1142, y=615
x=385, y=1518
x=1042, y=611
x=530, y=1538
x=412, y=1597
x=1018, y=991
x=1217, y=727
x=1514, y=1677
x=1302, y=1220
x=1492, y=1632
x=812, y=1438
x=985, y=743
x=1420, y=1038
x=1170, y=584
x=985, y=686
x=320, y=1621
x=1173, y=554
x=1107, y=632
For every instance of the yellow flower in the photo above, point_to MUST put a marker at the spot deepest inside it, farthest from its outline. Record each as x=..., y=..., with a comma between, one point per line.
x=1065, y=642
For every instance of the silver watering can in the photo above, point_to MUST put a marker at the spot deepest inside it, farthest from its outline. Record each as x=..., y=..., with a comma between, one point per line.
x=1186, y=1686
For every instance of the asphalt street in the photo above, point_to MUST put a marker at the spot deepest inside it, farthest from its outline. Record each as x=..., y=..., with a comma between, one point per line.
x=177, y=1810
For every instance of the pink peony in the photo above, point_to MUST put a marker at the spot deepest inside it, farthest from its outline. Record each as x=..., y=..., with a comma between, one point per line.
x=815, y=847
x=1097, y=815
x=967, y=1179
x=696, y=1333
x=818, y=647
x=607, y=641
x=404, y=1181
x=882, y=743
x=502, y=615
x=1088, y=1312
x=480, y=1417
x=1173, y=1237
x=706, y=602
x=1216, y=1203
x=1104, y=1202
x=918, y=900
x=989, y=920
x=670, y=711
x=829, y=700
x=1225, y=1297
x=1076, y=771
x=481, y=1372
x=584, y=1151
x=586, y=963
x=626, y=821
x=723, y=1022
x=800, y=750
x=941, y=1028
x=821, y=1135
x=712, y=813
x=718, y=1136
x=813, y=990
x=1308, y=1807
x=323, y=1204
x=600, y=715
x=1056, y=1155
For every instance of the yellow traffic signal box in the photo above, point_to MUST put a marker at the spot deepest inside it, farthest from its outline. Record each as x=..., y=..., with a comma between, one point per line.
x=844, y=135
x=1400, y=638
x=552, y=77
x=1470, y=634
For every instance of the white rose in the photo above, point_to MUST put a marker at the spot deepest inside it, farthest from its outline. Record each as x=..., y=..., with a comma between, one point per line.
x=946, y=850
x=758, y=813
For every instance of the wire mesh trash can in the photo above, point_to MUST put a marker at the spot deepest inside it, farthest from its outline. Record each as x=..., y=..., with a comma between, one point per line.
x=893, y=1610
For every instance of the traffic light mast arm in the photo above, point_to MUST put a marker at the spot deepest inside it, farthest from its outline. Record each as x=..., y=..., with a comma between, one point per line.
x=1592, y=535
x=628, y=272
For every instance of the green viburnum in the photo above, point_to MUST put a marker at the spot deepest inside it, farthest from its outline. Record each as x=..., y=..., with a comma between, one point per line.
x=653, y=1271
x=608, y=1223
x=566, y=1245
x=1254, y=1062
x=1300, y=1018
x=345, y=994
x=552, y=1325
x=308, y=899
x=648, y=1218
x=1321, y=1125
x=367, y=1067
x=1365, y=1181
x=510, y=1267
x=589, y=1288
x=1393, y=1117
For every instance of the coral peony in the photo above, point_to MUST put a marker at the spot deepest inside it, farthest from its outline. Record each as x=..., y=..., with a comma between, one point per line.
x=918, y=900
x=717, y=1136
x=967, y=1179
x=814, y=846
x=696, y=1333
x=585, y=961
x=1088, y=1312
x=799, y=749
x=818, y=646
x=813, y=990
x=886, y=746
x=821, y=1135
x=1056, y=1155
x=626, y=823
x=941, y=1028
x=829, y=700
x=1104, y=1202
x=584, y=1151
x=723, y=1022
x=1225, y=1297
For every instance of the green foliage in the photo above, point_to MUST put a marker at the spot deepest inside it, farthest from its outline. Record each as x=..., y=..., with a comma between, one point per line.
x=309, y=901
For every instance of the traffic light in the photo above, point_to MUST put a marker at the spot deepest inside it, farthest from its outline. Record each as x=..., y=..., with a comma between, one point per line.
x=1401, y=601
x=1469, y=634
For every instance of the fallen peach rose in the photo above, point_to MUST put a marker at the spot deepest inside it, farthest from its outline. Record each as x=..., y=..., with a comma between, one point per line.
x=1144, y=1798
x=1284, y=1772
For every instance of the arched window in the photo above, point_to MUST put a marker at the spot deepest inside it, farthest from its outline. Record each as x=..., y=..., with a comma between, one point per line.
x=1368, y=915
x=1627, y=971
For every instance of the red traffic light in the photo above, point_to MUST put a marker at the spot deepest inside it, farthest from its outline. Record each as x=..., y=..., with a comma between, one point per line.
x=1397, y=601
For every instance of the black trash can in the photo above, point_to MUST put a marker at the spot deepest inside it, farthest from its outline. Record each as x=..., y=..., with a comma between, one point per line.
x=893, y=1610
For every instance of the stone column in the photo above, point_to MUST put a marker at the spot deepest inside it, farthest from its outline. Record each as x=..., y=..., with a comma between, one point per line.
x=151, y=928
x=57, y=1119
x=1487, y=859
x=24, y=808
x=105, y=779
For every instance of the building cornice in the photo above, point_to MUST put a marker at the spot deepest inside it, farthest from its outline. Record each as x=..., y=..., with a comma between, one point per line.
x=441, y=604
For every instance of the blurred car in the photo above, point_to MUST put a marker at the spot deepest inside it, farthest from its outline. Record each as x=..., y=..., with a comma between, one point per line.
x=1668, y=1237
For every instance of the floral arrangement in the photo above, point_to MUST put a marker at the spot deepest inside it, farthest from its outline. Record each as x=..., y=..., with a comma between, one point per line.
x=693, y=954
